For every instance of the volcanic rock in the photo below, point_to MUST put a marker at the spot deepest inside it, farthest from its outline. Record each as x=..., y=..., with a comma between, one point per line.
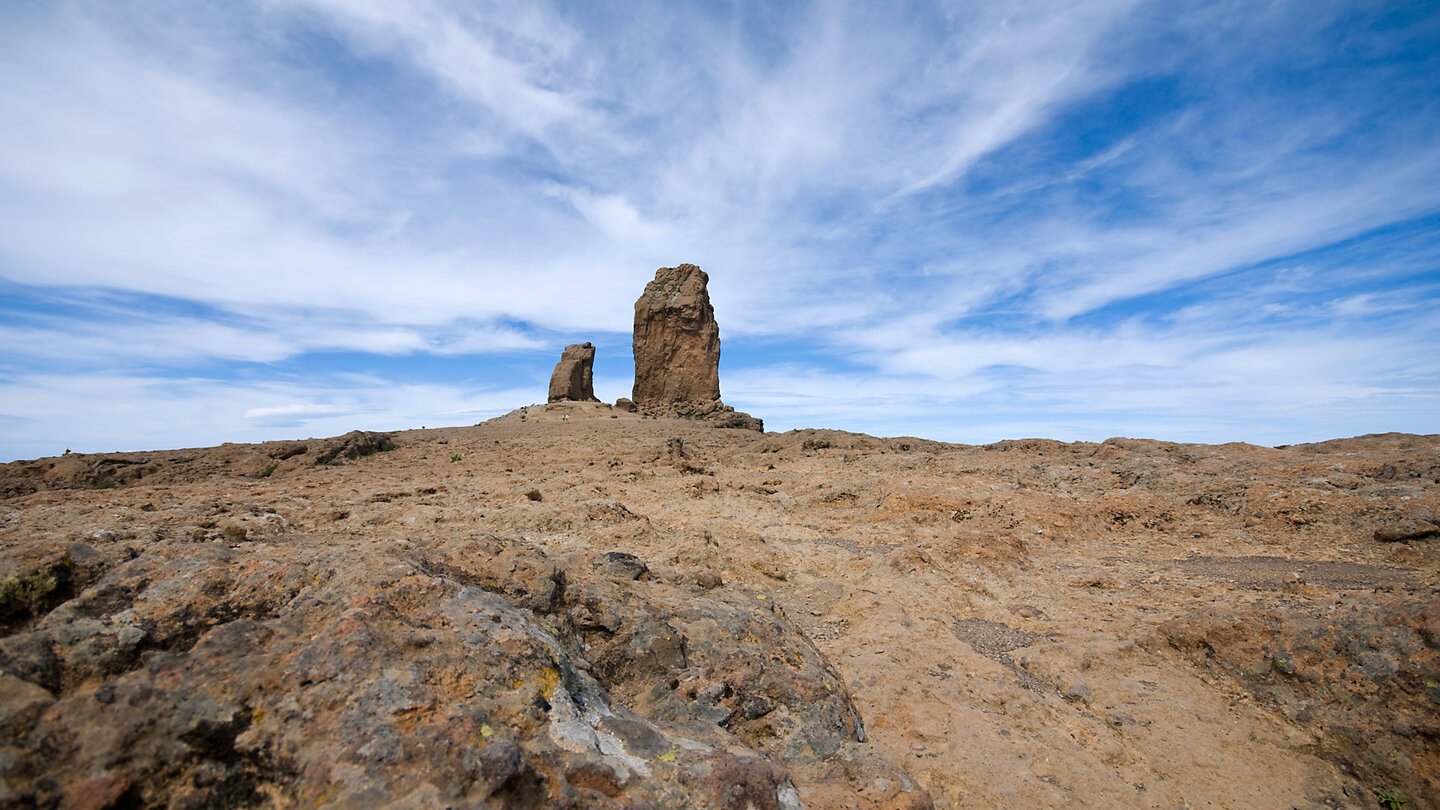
x=353, y=445
x=838, y=619
x=677, y=342
x=572, y=379
x=1382, y=723
x=727, y=417
x=350, y=673
x=1407, y=530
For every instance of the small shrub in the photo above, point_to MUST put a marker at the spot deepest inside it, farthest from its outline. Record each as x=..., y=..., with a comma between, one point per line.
x=1389, y=799
x=454, y=458
x=534, y=495
x=266, y=473
x=27, y=592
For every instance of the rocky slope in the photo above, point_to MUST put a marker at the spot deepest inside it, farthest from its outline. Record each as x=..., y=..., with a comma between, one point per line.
x=620, y=610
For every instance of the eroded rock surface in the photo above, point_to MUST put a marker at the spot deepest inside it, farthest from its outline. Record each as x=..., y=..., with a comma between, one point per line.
x=341, y=673
x=1029, y=623
x=1364, y=679
x=573, y=378
x=111, y=470
x=677, y=342
x=677, y=353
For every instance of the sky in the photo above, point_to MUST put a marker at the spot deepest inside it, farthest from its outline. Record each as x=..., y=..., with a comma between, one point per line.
x=971, y=221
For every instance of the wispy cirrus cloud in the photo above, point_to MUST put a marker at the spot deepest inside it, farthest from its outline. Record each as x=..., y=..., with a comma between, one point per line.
x=506, y=57
x=1041, y=208
x=202, y=411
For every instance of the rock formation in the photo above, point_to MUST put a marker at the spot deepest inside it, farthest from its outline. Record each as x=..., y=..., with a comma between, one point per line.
x=355, y=673
x=572, y=379
x=693, y=617
x=677, y=342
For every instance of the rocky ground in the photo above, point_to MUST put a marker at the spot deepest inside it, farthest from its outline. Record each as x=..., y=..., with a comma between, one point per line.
x=616, y=610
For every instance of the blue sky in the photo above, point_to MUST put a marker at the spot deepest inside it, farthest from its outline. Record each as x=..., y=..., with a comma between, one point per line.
x=1195, y=221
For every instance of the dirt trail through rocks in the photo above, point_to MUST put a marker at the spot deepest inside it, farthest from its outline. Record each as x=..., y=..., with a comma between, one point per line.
x=1026, y=624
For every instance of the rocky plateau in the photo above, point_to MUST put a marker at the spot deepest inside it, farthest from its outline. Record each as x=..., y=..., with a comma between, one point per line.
x=576, y=605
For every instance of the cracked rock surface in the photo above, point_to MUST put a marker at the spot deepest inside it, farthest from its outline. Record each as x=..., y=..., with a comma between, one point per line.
x=619, y=610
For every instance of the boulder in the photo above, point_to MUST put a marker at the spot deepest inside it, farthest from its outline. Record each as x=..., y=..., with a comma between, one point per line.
x=450, y=673
x=573, y=377
x=1406, y=530
x=353, y=445
x=677, y=342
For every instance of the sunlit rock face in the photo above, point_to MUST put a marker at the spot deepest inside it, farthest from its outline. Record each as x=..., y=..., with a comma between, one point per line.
x=677, y=342
x=573, y=378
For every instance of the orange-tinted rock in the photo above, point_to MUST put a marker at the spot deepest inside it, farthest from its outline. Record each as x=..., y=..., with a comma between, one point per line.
x=677, y=342
x=573, y=378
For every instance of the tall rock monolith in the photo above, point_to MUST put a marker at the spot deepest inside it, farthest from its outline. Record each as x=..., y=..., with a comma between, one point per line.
x=574, y=375
x=677, y=342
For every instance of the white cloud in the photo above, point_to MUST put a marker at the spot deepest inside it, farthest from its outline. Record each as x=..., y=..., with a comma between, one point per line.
x=463, y=47
x=128, y=336
x=294, y=415
x=1266, y=387
x=1247, y=228
x=157, y=412
x=1017, y=62
x=921, y=193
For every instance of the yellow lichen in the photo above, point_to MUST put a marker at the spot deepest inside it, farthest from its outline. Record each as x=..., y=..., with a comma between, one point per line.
x=549, y=679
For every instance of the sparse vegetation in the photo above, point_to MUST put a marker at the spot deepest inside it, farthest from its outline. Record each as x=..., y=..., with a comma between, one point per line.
x=27, y=592
x=1389, y=799
x=454, y=457
x=268, y=471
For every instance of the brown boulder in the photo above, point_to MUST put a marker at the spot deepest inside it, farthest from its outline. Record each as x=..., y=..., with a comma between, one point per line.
x=353, y=445
x=677, y=342
x=362, y=674
x=572, y=379
x=1406, y=530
